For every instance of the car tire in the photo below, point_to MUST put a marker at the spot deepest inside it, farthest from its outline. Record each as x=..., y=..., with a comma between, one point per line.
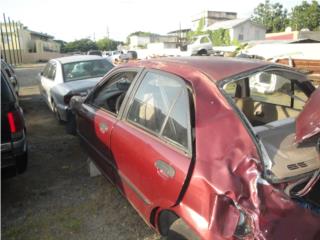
x=71, y=125
x=203, y=52
x=179, y=230
x=56, y=112
x=22, y=163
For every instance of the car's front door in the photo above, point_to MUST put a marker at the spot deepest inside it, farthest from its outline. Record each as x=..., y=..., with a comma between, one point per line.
x=152, y=143
x=97, y=116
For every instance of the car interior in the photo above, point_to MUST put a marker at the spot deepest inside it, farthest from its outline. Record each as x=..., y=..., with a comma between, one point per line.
x=271, y=102
x=111, y=95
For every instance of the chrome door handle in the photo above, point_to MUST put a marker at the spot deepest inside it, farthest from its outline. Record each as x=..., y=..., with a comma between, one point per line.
x=165, y=169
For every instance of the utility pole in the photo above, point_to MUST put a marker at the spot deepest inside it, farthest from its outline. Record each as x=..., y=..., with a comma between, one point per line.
x=13, y=43
x=108, y=38
x=5, y=24
x=4, y=48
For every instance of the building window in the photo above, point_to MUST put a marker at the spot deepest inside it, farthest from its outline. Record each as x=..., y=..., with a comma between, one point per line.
x=240, y=37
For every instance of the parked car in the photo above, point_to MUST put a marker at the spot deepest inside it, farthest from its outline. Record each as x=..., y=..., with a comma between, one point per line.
x=11, y=75
x=14, y=150
x=199, y=45
x=130, y=55
x=94, y=52
x=199, y=155
x=65, y=77
x=113, y=56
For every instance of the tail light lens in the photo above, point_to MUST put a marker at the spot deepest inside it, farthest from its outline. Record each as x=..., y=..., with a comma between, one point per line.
x=16, y=123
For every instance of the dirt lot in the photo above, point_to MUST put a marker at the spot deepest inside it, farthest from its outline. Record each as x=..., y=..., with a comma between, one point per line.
x=56, y=198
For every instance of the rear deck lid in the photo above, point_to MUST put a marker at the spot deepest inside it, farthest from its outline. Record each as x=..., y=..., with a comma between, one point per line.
x=308, y=121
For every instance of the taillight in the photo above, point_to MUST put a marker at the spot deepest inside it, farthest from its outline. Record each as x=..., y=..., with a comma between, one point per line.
x=12, y=123
x=16, y=123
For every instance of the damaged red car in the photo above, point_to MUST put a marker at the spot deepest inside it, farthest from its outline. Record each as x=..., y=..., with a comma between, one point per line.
x=209, y=148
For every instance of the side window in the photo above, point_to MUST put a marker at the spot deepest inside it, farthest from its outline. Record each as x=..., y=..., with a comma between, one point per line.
x=270, y=88
x=52, y=71
x=161, y=105
x=204, y=40
x=300, y=98
x=230, y=89
x=46, y=70
x=111, y=94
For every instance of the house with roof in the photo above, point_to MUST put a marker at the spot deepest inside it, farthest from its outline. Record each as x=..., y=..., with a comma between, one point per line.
x=242, y=30
x=211, y=17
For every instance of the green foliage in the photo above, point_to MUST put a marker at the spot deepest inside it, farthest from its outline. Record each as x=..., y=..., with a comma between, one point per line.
x=82, y=45
x=272, y=16
x=306, y=15
x=200, y=27
x=199, y=30
x=220, y=37
x=107, y=44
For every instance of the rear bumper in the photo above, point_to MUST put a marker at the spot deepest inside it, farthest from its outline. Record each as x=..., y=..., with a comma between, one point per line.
x=12, y=153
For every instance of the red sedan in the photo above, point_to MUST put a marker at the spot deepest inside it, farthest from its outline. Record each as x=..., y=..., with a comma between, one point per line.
x=209, y=148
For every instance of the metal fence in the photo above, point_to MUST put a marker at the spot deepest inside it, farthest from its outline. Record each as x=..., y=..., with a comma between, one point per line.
x=10, y=41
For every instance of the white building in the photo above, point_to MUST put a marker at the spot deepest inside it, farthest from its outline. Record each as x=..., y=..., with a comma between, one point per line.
x=136, y=41
x=241, y=29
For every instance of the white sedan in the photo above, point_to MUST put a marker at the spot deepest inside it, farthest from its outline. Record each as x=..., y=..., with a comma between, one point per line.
x=65, y=77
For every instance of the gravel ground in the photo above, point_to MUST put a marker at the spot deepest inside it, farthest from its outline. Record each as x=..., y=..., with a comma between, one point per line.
x=56, y=198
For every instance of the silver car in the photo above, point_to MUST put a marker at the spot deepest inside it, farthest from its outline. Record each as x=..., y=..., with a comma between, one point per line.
x=63, y=78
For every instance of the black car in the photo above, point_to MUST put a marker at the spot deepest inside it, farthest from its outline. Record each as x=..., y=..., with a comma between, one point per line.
x=11, y=74
x=14, y=150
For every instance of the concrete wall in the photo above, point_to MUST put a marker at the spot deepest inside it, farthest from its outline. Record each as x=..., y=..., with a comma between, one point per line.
x=282, y=50
x=32, y=57
x=40, y=57
x=248, y=31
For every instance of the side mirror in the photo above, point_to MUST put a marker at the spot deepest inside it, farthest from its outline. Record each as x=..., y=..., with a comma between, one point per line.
x=76, y=102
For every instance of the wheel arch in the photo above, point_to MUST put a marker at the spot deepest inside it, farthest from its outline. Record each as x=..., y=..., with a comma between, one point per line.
x=163, y=219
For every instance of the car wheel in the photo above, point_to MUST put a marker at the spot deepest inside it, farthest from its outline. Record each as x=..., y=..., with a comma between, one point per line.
x=203, y=52
x=179, y=230
x=22, y=163
x=56, y=112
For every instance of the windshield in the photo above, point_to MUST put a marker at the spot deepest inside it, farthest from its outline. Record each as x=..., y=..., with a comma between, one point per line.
x=85, y=69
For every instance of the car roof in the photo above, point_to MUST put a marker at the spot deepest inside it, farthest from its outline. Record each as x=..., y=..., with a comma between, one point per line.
x=217, y=68
x=77, y=58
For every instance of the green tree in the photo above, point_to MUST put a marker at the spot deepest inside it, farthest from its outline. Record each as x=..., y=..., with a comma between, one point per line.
x=272, y=16
x=220, y=37
x=82, y=45
x=199, y=30
x=107, y=44
x=306, y=15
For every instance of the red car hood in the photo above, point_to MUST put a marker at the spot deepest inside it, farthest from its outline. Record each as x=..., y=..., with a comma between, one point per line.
x=308, y=121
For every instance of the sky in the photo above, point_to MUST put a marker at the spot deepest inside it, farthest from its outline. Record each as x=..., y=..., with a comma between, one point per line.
x=70, y=20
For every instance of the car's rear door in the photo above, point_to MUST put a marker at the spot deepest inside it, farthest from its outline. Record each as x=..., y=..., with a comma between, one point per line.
x=99, y=113
x=152, y=143
x=47, y=79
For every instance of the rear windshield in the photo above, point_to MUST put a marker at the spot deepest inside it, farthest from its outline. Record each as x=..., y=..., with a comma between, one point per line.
x=85, y=69
x=6, y=93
